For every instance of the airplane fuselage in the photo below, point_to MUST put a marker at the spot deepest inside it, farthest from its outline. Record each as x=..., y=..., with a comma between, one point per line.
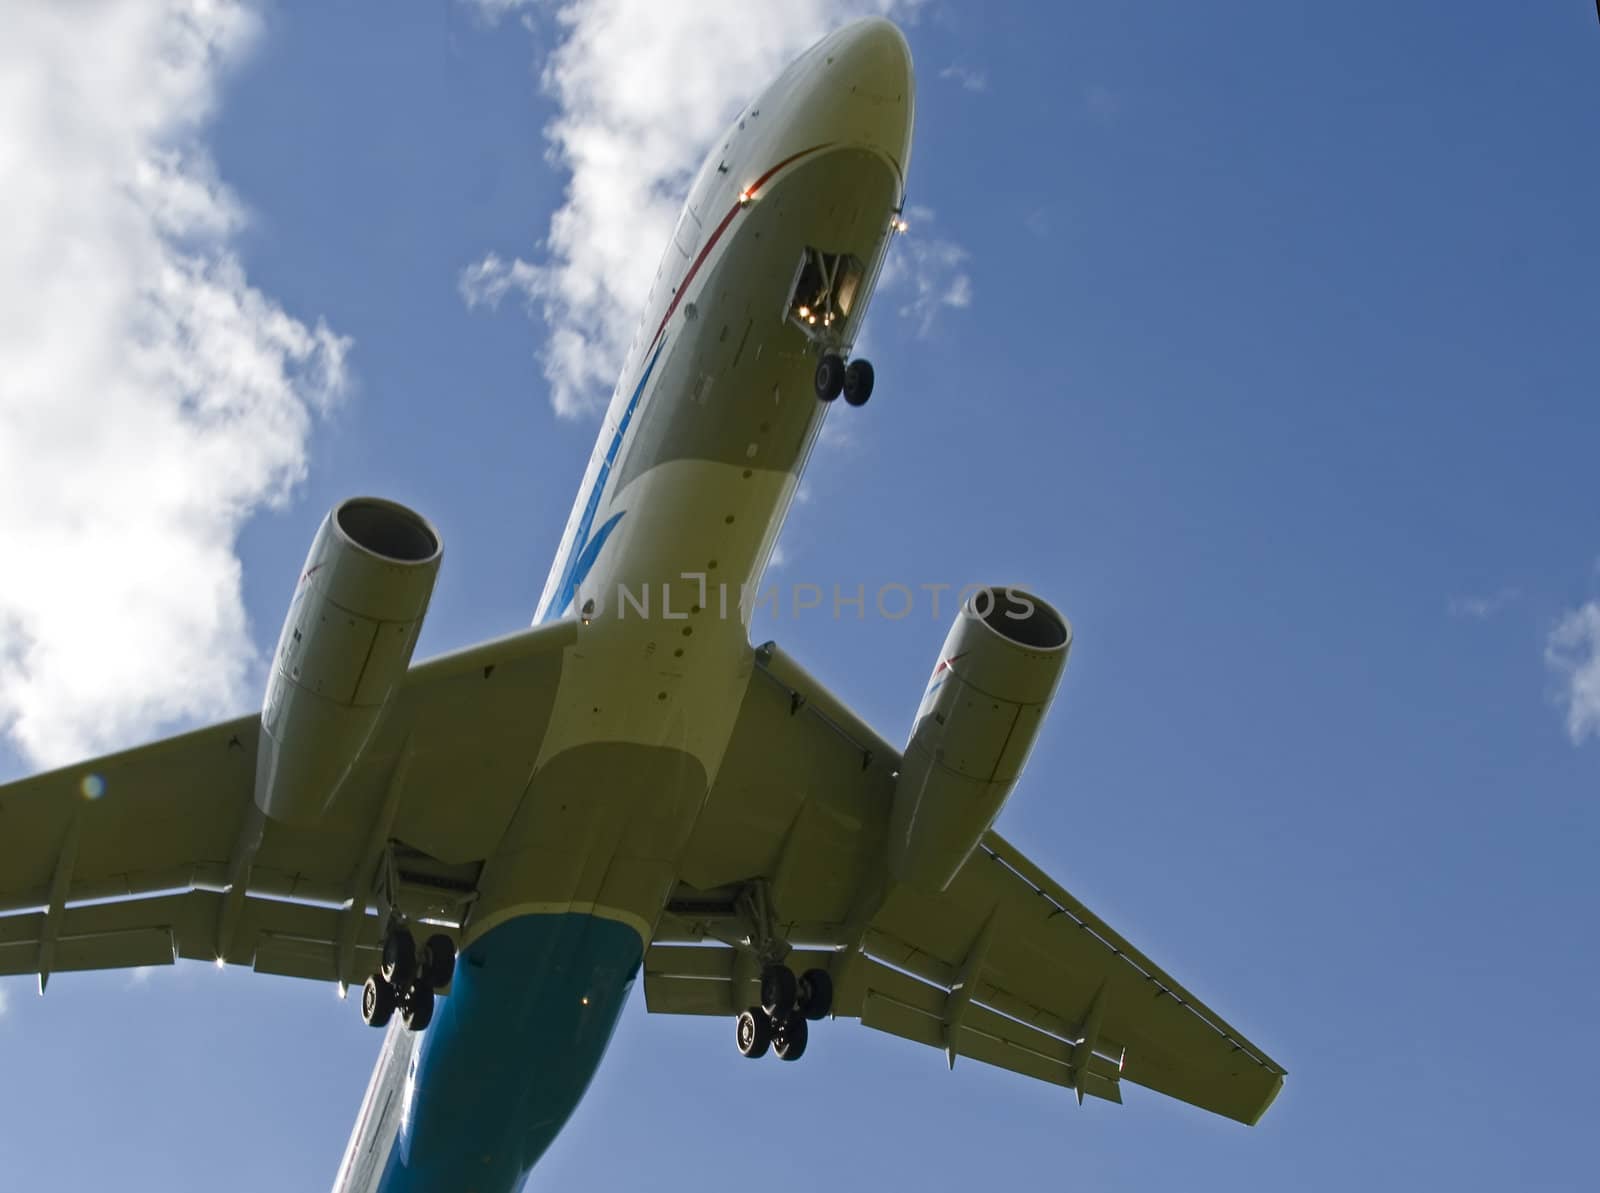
x=686, y=491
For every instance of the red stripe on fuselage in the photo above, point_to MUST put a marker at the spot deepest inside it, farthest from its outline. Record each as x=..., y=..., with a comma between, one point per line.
x=716, y=235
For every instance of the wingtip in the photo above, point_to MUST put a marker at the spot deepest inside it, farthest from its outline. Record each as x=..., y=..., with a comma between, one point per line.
x=1272, y=1096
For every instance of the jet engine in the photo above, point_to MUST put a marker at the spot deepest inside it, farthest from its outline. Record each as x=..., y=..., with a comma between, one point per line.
x=979, y=716
x=345, y=646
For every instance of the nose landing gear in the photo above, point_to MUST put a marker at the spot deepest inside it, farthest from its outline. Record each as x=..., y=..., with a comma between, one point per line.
x=406, y=980
x=834, y=377
x=826, y=286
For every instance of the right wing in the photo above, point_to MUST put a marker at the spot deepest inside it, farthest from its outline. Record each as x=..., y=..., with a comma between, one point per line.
x=158, y=852
x=1004, y=967
x=1009, y=968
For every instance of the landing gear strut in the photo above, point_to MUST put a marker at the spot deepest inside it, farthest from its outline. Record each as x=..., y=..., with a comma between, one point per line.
x=406, y=980
x=825, y=289
x=787, y=1003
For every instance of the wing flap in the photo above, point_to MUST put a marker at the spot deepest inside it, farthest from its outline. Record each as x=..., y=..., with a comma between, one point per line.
x=97, y=936
x=905, y=1006
x=1050, y=961
x=272, y=936
x=710, y=979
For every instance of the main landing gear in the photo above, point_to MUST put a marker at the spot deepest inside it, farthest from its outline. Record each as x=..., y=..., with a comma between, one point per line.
x=834, y=377
x=787, y=1003
x=407, y=979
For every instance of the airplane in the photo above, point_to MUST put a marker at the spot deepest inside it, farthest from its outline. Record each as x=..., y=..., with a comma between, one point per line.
x=493, y=845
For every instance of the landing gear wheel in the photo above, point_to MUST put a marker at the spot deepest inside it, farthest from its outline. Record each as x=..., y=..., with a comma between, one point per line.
x=438, y=961
x=858, y=382
x=778, y=989
x=753, y=1032
x=418, y=1010
x=789, y=1038
x=377, y=1002
x=399, y=966
x=815, y=997
x=830, y=378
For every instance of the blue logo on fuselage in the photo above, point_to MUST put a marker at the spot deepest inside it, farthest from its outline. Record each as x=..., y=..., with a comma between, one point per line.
x=584, y=548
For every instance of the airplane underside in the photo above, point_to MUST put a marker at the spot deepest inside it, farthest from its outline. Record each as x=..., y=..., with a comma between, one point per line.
x=504, y=840
x=731, y=414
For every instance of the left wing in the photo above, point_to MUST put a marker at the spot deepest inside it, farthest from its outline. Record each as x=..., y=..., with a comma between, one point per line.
x=1005, y=966
x=156, y=853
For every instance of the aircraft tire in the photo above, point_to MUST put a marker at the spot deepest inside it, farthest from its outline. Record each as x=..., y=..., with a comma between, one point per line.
x=438, y=961
x=830, y=377
x=753, y=1033
x=858, y=380
x=417, y=1012
x=789, y=1038
x=778, y=990
x=377, y=1002
x=815, y=997
x=399, y=965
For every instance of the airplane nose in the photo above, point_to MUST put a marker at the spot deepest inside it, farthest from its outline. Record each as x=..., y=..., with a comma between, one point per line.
x=864, y=88
x=872, y=57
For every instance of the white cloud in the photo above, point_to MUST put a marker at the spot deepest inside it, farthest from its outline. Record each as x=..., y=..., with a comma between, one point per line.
x=5, y=998
x=495, y=9
x=151, y=400
x=631, y=143
x=1573, y=653
x=972, y=80
x=930, y=268
x=491, y=279
x=1481, y=608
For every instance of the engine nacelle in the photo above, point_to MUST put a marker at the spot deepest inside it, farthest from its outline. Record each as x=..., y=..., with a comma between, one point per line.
x=979, y=716
x=346, y=643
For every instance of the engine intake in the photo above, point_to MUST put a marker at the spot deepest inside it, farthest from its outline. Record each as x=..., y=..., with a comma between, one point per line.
x=346, y=644
x=980, y=714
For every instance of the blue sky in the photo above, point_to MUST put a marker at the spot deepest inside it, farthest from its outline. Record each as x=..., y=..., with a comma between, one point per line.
x=1278, y=375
